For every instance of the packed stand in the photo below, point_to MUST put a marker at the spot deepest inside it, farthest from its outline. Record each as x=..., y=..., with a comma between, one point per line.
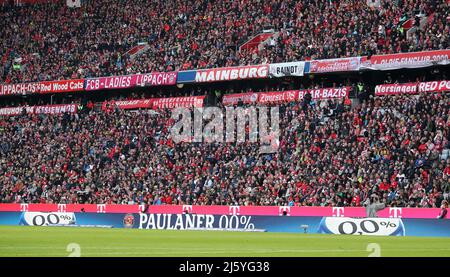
x=330, y=154
x=52, y=41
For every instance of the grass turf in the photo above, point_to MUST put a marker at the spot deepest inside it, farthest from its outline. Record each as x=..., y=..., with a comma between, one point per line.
x=26, y=241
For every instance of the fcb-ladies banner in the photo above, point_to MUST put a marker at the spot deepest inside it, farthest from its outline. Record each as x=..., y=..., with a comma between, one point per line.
x=123, y=82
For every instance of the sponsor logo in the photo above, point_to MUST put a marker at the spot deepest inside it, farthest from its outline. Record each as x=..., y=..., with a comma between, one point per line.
x=284, y=210
x=62, y=208
x=128, y=221
x=101, y=208
x=187, y=209
x=234, y=210
x=395, y=212
x=338, y=211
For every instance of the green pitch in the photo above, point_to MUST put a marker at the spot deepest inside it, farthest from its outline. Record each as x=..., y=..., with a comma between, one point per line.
x=54, y=241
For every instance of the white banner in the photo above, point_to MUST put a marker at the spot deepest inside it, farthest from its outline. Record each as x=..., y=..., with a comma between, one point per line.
x=362, y=226
x=45, y=219
x=286, y=69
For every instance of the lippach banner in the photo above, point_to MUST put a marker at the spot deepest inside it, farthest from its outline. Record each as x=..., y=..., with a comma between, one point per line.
x=286, y=69
x=156, y=79
x=406, y=60
x=43, y=87
x=47, y=109
x=231, y=73
x=334, y=65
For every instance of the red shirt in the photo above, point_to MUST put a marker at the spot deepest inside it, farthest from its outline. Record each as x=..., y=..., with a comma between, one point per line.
x=384, y=186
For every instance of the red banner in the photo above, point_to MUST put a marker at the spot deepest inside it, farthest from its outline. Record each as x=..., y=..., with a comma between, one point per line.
x=334, y=65
x=393, y=89
x=406, y=60
x=232, y=73
x=246, y=98
x=116, y=82
x=175, y=102
x=130, y=104
x=62, y=86
x=435, y=86
x=42, y=87
x=48, y=109
x=325, y=93
x=278, y=96
x=156, y=79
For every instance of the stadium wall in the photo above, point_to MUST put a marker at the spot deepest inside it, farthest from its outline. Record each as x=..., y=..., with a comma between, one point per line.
x=244, y=223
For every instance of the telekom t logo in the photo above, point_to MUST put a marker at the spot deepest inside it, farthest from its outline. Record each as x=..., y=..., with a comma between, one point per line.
x=395, y=212
x=284, y=209
x=101, y=208
x=234, y=210
x=141, y=208
x=187, y=209
x=24, y=207
x=338, y=211
x=61, y=208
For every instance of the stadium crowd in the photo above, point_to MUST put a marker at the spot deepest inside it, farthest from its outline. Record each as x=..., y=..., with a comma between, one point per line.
x=52, y=41
x=329, y=154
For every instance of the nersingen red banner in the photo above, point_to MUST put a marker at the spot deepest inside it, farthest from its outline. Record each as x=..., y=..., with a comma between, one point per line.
x=43, y=87
x=47, y=109
x=412, y=88
x=406, y=60
x=175, y=102
x=232, y=73
x=245, y=98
